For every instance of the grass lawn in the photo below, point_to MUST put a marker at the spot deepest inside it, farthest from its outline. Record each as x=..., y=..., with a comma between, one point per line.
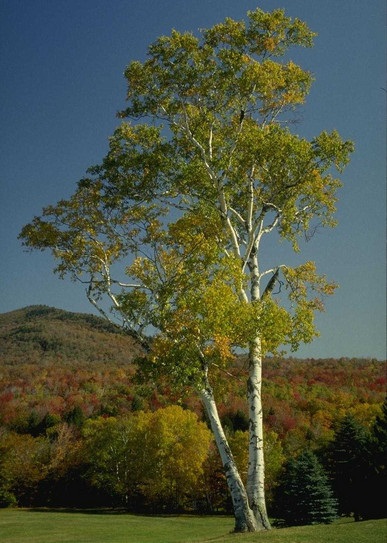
x=24, y=526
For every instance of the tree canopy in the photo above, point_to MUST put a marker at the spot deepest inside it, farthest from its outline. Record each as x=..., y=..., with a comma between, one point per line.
x=189, y=194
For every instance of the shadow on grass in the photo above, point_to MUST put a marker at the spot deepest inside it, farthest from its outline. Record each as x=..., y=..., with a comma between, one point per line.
x=84, y=511
x=117, y=511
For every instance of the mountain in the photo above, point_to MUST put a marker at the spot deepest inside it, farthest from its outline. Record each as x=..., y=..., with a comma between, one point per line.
x=44, y=335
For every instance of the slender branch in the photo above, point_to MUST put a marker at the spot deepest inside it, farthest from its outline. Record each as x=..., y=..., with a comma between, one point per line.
x=270, y=286
x=238, y=216
x=255, y=239
x=225, y=216
x=144, y=342
x=188, y=131
x=250, y=207
x=226, y=372
x=302, y=210
x=94, y=302
x=271, y=226
x=257, y=230
x=128, y=285
x=210, y=143
x=272, y=270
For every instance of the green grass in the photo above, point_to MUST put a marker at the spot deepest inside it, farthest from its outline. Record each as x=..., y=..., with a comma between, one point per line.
x=23, y=526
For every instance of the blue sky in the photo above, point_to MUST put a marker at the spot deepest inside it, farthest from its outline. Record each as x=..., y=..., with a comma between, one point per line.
x=62, y=64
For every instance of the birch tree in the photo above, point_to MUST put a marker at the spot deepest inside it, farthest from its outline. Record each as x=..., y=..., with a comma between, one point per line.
x=202, y=170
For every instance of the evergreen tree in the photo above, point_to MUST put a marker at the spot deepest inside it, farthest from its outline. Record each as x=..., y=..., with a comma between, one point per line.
x=380, y=435
x=376, y=499
x=305, y=495
x=350, y=460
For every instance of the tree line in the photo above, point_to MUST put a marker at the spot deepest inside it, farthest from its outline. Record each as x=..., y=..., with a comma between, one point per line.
x=84, y=430
x=163, y=459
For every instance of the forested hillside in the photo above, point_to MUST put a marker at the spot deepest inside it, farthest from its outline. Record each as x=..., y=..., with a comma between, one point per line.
x=73, y=416
x=41, y=334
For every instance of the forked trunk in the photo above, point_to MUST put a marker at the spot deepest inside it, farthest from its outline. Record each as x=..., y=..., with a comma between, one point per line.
x=256, y=469
x=244, y=517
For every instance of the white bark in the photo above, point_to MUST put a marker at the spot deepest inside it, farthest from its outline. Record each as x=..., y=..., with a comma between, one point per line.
x=256, y=467
x=244, y=517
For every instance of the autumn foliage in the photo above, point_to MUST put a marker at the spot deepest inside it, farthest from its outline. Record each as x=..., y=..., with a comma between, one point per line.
x=74, y=414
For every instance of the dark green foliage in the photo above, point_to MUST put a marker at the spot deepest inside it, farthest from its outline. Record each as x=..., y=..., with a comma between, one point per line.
x=236, y=420
x=75, y=417
x=304, y=495
x=376, y=504
x=7, y=499
x=38, y=427
x=72, y=489
x=350, y=462
x=380, y=435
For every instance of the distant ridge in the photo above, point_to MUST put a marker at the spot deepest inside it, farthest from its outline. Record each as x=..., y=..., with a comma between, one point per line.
x=40, y=333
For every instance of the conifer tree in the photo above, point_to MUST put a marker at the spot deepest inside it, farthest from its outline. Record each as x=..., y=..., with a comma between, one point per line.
x=377, y=483
x=380, y=434
x=350, y=466
x=305, y=495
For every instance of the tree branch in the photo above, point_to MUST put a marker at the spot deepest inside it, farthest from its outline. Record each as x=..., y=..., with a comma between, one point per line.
x=270, y=286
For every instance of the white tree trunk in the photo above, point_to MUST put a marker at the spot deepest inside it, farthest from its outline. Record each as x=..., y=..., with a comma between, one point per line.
x=256, y=467
x=244, y=517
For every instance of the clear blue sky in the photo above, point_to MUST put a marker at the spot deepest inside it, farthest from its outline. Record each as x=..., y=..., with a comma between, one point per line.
x=62, y=64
